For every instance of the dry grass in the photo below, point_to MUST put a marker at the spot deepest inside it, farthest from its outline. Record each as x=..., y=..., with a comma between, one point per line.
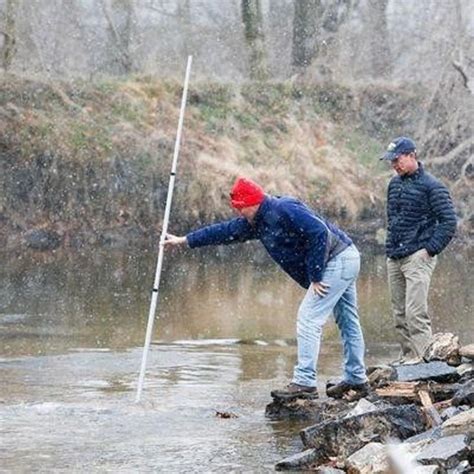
x=286, y=141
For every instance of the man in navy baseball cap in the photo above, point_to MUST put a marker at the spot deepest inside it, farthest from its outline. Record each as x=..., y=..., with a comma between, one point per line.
x=399, y=146
x=421, y=221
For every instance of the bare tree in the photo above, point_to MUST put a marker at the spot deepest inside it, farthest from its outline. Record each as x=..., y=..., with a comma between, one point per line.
x=463, y=55
x=120, y=18
x=336, y=13
x=381, y=59
x=184, y=14
x=306, y=27
x=255, y=39
x=333, y=14
x=447, y=131
x=9, y=34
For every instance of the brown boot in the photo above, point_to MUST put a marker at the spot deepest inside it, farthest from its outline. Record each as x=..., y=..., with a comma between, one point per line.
x=294, y=390
x=338, y=391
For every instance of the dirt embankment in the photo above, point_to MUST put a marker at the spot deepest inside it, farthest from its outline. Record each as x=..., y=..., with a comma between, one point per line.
x=89, y=163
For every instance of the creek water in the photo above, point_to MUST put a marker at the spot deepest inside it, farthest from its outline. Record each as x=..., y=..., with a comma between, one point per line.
x=71, y=330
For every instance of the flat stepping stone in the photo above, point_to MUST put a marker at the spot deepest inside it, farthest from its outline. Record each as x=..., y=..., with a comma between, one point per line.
x=446, y=452
x=313, y=409
x=437, y=371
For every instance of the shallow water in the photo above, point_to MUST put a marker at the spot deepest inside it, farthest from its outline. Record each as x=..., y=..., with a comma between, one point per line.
x=71, y=330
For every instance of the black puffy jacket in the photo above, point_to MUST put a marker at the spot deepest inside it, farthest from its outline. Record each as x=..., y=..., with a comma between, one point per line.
x=420, y=215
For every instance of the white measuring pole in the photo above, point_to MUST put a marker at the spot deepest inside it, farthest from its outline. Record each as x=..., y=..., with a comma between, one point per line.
x=156, y=284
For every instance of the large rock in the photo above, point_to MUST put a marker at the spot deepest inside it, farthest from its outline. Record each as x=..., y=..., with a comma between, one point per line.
x=363, y=406
x=446, y=452
x=466, y=370
x=452, y=411
x=444, y=347
x=467, y=351
x=381, y=458
x=310, y=459
x=437, y=371
x=342, y=437
x=371, y=458
x=300, y=461
x=465, y=394
x=430, y=435
x=462, y=423
x=305, y=409
x=380, y=375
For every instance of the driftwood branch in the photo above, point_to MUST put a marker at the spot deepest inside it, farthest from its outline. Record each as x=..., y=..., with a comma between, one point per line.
x=412, y=390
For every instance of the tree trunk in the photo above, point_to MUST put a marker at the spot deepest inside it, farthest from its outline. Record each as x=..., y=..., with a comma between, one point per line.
x=9, y=34
x=306, y=19
x=254, y=36
x=119, y=17
x=183, y=12
x=379, y=46
x=334, y=14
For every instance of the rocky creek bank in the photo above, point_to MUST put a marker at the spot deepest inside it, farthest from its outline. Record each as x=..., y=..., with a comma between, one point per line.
x=417, y=418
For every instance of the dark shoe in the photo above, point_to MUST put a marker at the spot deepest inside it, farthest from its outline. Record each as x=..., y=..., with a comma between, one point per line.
x=344, y=388
x=294, y=390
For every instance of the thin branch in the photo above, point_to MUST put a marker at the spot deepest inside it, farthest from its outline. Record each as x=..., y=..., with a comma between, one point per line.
x=463, y=146
x=465, y=79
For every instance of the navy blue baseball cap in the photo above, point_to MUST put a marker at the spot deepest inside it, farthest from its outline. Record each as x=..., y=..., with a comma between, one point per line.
x=397, y=147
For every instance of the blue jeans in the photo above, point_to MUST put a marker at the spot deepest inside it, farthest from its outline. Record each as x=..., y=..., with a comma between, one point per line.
x=340, y=274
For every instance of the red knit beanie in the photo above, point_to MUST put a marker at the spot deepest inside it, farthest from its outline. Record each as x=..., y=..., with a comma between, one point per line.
x=246, y=193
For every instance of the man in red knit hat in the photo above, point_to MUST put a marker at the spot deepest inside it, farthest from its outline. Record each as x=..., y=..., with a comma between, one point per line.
x=318, y=256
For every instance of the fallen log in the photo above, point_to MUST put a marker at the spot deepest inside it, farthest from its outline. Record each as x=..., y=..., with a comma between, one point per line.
x=408, y=391
x=399, y=390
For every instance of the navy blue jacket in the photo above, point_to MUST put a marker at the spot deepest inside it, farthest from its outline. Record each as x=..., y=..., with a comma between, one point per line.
x=297, y=238
x=420, y=215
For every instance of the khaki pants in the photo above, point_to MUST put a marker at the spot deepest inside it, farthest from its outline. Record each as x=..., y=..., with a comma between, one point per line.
x=409, y=281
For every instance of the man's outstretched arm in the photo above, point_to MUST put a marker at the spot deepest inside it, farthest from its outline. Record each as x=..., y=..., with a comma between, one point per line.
x=228, y=232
